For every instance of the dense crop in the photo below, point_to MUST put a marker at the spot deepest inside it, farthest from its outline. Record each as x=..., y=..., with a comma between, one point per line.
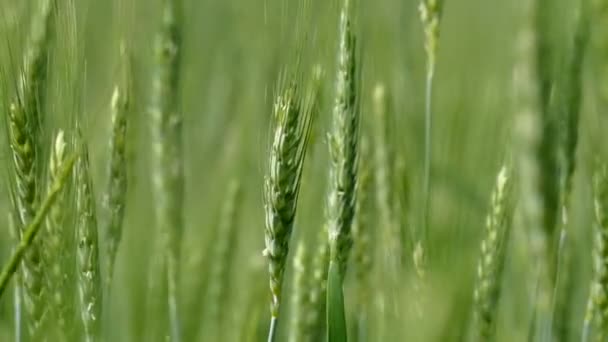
x=303, y=170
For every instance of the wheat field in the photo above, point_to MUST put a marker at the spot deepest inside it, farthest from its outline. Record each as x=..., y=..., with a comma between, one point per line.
x=303, y=170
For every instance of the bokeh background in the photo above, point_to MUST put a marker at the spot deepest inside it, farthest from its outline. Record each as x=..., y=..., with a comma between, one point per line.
x=234, y=51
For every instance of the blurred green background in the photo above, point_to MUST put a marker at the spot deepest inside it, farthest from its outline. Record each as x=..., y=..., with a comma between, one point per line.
x=234, y=51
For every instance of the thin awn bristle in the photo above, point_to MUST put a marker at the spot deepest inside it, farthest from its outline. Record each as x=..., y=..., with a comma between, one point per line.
x=87, y=250
x=167, y=164
x=282, y=185
x=492, y=258
x=116, y=191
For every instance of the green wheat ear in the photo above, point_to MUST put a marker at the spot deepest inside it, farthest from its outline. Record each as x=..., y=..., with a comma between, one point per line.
x=116, y=191
x=87, y=248
x=342, y=198
x=56, y=253
x=26, y=148
x=492, y=258
x=291, y=134
x=167, y=169
x=430, y=14
x=33, y=228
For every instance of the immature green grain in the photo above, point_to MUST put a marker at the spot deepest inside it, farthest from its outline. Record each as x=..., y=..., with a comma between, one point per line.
x=167, y=158
x=292, y=120
x=430, y=14
x=116, y=191
x=87, y=250
x=492, y=258
x=597, y=309
x=343, y=146
x=219, y=272
x=529, y=130
x=299, y=294
x=24, y=117
x=29, y=234
x=56, y=251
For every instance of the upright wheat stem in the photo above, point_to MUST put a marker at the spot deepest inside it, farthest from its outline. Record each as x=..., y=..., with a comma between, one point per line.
x=167, y=161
